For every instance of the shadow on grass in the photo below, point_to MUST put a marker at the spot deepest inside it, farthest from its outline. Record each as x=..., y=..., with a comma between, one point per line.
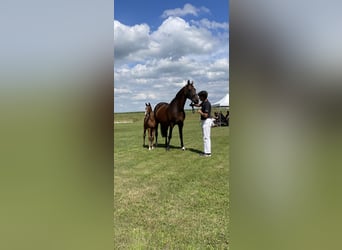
x=162, y=145
x=196, y=151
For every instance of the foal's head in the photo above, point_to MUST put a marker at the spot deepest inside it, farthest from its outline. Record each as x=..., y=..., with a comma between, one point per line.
x=148, y=108
x=191, y=92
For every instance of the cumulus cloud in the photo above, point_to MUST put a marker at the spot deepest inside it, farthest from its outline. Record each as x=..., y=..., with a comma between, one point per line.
x=128, y=40
x=174, y=38
x=177, y=38
x=160, y=79
x=122, y=91
x=144, y=96
x=210, y=24
x=151, y=66
x=188, y=9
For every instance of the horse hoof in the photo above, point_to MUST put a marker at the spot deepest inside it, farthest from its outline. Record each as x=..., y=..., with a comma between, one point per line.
x=149, y=148
x=183, y=148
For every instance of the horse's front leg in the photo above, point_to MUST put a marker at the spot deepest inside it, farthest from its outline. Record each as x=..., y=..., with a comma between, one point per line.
x=180, y=129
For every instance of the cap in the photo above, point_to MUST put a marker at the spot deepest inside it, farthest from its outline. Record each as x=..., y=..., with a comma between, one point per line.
x=203, y=93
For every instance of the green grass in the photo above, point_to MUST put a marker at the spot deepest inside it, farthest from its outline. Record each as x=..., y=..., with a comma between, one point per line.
x=170, y=199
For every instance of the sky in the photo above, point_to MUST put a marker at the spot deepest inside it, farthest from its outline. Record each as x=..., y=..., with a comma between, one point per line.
x=159, y=45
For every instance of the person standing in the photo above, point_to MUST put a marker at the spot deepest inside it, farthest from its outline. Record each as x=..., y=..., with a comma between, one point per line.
x=206, y=121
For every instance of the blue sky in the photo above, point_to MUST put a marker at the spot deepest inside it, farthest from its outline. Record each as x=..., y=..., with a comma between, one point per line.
x=159, y=45
x=130, y=12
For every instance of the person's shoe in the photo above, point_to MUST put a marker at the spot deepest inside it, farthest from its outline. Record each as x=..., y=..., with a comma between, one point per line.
x=205, y=155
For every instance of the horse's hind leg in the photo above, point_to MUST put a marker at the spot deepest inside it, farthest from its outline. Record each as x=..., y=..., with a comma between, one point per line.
x=170, y=136
x=180, y=128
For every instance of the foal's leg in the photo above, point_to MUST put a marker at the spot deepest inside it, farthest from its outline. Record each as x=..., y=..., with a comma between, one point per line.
x=180, y=129
x=152, y=137
x=149, y=138
x=144, y=136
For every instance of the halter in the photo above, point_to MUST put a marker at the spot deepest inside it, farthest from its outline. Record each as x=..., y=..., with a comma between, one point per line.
x=192, y=103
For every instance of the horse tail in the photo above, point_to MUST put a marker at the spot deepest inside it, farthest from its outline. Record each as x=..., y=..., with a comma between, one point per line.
x=163, y=130
x=161, y=117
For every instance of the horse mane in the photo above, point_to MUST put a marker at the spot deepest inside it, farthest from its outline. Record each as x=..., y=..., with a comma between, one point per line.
x=180, y=93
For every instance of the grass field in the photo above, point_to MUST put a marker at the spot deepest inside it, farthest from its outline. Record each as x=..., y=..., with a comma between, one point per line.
x=170, y=199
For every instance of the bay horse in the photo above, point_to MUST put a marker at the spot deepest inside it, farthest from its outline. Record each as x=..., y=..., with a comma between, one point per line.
x=149, y=125
x=168, y=115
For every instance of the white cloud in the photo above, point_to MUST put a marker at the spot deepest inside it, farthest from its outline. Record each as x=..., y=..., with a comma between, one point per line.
x=188, y=9
x=144, y=96
x=174, y=38
x=160, y=79
x=153, y=66
x=128, y=40
x=220, y=64
x=177, y=38
x=122, y=91
x=205, y=23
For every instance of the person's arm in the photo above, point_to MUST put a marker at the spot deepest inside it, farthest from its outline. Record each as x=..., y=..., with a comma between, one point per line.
x=205, y=115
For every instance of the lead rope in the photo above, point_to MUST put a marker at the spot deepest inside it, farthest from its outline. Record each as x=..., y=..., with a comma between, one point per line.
x=192, y=107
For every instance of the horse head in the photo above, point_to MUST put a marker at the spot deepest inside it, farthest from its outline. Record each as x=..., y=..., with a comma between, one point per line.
x=148, y=108
x=191, y=92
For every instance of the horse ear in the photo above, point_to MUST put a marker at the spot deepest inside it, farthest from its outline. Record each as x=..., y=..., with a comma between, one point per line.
x=192, y=83
x=149, y=104
x=188, y=82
